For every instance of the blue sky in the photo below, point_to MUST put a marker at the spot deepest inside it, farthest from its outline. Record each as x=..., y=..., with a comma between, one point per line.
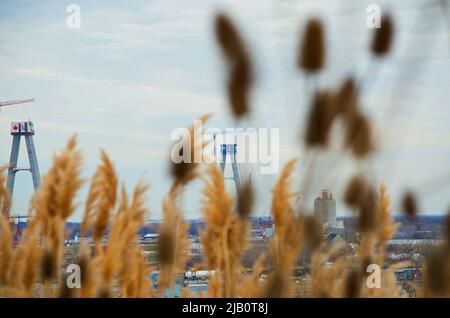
x=136, y=70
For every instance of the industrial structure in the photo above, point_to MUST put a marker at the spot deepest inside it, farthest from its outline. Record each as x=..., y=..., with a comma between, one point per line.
x=231, y=150
x=19, y=130
x=221, y=154
x=15, y=102
x=325, y=208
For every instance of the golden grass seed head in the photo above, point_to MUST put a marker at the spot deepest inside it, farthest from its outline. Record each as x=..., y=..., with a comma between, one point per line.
x=311, y=57
x=383, y=36
x=409, y=204
x=183, y=172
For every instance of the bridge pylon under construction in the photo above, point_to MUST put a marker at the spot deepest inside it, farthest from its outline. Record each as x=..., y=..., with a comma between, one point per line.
x=231, y=150
x=26, y=130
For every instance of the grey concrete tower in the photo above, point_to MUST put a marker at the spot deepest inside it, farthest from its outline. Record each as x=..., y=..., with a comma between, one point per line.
x=230, y=149
x=325, y=208
x=19, y=130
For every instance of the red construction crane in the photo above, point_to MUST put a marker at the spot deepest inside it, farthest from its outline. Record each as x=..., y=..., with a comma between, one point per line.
x=15, y=101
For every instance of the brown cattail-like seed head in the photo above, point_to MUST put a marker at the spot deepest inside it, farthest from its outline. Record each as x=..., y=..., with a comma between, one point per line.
x=320, y=119
x=358, y=135
x=313, y=232
x=104, y=292
x=83, y=262
x=239, y=87
x=437, y=272
x=409, y=204
x=312, y=50
x=346, y=100
x=365, y=263
x=353, y=284
x=228, y=37
x=368, y=220
x=277, y=285
x=48, y=265
x=181, y=170
x=355, y=191
x=447, y=229
x=166, y=245
x=240, y=76
x=245, y=200
x=382, y=39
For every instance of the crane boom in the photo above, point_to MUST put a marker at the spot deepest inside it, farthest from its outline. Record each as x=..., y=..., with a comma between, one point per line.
x=15, y=101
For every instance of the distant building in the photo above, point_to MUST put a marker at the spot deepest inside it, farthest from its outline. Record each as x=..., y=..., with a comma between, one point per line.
x=325, y=209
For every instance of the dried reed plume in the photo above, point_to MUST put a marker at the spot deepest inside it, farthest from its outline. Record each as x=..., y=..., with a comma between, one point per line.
x=54, y=202
x=182, y=171
x=286, y=242
x=5, y=196
x=101, y=199
x=126, y=223
x=56, y=196
x=224, y=238
x=173, y=244
x=387, y=227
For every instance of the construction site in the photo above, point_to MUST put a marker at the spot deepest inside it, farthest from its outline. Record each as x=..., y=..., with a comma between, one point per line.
x=256, y=149
x=195, y=277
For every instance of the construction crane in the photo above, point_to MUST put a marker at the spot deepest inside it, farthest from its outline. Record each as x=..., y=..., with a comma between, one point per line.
x=15, y=101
